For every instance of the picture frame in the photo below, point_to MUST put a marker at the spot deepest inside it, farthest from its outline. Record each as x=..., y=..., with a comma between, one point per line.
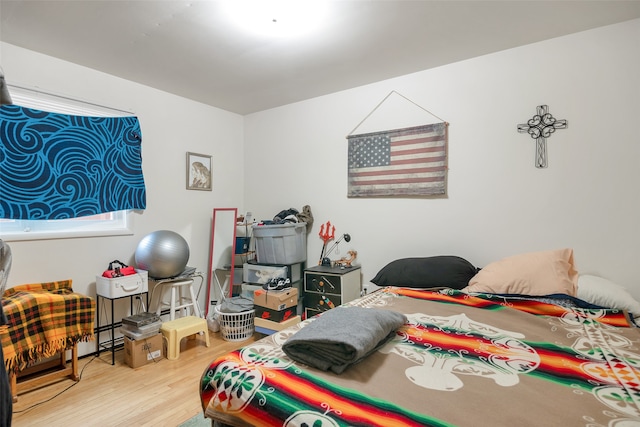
x=199, y=172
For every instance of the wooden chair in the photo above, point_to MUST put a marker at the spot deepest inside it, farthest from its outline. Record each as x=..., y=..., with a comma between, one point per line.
x=45, y=372
x=32, y=359
x=38, y=374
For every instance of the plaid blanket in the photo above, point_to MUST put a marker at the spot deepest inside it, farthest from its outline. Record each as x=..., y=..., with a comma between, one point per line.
x=42, y=320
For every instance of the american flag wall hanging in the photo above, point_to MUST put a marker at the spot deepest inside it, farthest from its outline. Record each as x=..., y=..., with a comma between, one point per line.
x=401, y=162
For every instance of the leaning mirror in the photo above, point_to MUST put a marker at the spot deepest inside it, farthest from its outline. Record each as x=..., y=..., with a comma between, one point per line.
x=222, y=246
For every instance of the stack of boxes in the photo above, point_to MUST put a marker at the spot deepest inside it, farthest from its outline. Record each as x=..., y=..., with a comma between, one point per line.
x=276, y=306
x=142, y=339
x=281, y=251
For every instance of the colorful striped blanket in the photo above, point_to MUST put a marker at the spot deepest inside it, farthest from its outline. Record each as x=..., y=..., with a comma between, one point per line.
x=459, y=360
x=42, y=320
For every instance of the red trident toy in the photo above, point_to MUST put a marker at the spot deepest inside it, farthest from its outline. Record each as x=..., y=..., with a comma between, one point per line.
x=327, y=232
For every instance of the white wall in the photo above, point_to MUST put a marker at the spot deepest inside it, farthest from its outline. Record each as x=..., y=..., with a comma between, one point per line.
x=498, y=203
x=170, y=126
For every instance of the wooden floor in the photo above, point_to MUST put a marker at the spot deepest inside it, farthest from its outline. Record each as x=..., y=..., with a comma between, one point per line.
x=158, y=394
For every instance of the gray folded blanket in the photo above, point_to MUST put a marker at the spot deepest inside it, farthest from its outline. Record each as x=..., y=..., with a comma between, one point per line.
x=341, y=337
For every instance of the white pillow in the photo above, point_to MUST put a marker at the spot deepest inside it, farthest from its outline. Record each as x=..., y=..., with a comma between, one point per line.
x=605, y=293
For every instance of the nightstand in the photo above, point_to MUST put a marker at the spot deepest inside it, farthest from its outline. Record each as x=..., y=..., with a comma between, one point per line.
x=328, y=287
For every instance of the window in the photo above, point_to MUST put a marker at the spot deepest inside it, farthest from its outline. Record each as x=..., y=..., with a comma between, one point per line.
x=107, y=224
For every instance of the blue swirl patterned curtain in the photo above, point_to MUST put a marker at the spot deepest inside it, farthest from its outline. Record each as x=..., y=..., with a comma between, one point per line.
x=58, y=166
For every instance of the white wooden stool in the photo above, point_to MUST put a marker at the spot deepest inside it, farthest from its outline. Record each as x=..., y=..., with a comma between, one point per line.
x=174, y=330
x=179, y=300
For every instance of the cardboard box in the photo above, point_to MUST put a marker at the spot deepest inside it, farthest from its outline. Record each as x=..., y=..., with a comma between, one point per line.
x=276, y=300
x=268, y=327
x=275, y=315
x=140, y=352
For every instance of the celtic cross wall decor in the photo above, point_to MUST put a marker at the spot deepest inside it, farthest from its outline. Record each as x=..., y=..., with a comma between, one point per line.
x=540, y=127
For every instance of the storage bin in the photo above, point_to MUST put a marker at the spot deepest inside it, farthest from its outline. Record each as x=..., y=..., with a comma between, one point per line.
x=281, y=243
x=123, y=286
x=262, y=273
x=242, y=245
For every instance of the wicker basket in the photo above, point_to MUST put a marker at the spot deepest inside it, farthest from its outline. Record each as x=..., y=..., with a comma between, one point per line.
x=235, y=326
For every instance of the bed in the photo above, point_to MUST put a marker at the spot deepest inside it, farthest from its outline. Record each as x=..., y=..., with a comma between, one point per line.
x=463, y=357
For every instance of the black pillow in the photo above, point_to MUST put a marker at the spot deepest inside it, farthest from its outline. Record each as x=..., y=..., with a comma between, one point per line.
x=438, y=271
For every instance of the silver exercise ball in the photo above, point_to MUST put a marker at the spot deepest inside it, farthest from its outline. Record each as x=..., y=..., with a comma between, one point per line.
x=163, y=254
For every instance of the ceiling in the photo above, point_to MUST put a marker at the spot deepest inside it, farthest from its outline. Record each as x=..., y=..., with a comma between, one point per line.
x=192, y=49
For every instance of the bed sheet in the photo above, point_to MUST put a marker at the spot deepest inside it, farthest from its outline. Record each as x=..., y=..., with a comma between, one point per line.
x=460, y=360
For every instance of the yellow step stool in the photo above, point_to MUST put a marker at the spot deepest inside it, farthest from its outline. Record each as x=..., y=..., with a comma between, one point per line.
x=174, y=330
